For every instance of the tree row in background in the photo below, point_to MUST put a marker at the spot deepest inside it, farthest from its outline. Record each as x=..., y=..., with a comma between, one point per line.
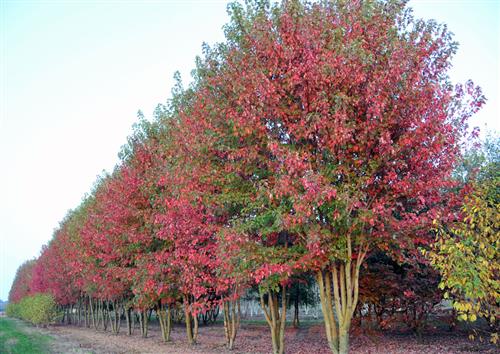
x=316, y=137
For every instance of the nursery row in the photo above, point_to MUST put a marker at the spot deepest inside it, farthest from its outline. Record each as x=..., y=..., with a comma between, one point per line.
x=317, y=143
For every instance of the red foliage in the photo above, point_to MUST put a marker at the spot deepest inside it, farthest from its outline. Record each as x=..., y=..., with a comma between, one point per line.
x=21, y=286
x=314, y=127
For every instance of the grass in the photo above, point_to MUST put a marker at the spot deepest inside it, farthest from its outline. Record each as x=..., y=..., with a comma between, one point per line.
x=14, y=338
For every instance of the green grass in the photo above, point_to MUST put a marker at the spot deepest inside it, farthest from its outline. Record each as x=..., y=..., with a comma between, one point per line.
x=14, y=338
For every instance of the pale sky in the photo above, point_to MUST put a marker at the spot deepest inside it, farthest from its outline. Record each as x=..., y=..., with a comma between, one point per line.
x=75, y=73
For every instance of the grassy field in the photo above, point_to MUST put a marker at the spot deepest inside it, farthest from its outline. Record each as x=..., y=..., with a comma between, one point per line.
x=14, y=338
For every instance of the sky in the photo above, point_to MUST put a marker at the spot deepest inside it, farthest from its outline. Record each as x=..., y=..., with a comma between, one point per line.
x=73, y=75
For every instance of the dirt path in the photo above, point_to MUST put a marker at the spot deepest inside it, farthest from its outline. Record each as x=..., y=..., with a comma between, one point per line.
x=254, y=339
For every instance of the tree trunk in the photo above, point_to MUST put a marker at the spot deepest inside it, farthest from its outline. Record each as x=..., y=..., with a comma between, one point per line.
x=165, y=319
x=93, y=313
x=114, y=317
x=296, y=322
x=191, y=322
x=63, y=310
x=87, y=322
x=110, y=317
x=143, y=321
x=118, y=314
x=275, y=319
x=79, y=312
x=232, y=316
x=103, y=316
x=338, y=288
x=129, y=318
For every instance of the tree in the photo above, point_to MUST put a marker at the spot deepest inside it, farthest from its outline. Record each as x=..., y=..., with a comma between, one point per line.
x=315, y=134
x=466, y=252
x=336, y=124
x=390, y=290
x=302, y=293
x=21, y=286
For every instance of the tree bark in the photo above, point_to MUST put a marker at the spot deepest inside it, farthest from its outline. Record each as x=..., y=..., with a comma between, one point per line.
x=191, y=322
x=143, y=321
x=103, y=315
x=296, y=322
x=275, y=319
x=232, y=317
x=189, y=327
x=93, y=313
x=129, y=318
x=87, y=319
x=338, y=289
x=114, y=316
x=165, y=319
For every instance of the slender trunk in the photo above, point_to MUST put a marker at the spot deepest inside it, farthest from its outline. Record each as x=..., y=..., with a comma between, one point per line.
x=78, y=313
x=129, y=318
x=119, y=316
x=98, y=313
x=296, y=322
x=143, y=321
x=191, y=335
x=63, y=314
x=275, y=319
x=165, y=319
x=110, y=317
x=86, y=310
x=134, y=320
x=232, y=317
x=92, y=313
x=113, y=316
x=195, y=329
x=81, y=310
x=341, y=279
x=140, y=322
x=103, y=316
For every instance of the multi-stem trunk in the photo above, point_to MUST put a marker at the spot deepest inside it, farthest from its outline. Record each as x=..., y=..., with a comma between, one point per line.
x=191, y=322
x=93, y=313
x=114, y=316
x=129, y=317
x=165, y=319
x=143, y=321
x=275, y=319
x=232, y=316
x=338, y=289
x=103, y=316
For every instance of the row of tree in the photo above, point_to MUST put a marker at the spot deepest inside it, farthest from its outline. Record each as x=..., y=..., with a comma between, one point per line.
x=315, y=135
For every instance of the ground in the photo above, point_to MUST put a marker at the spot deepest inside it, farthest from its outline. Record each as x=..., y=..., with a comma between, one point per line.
x=252, y=338
x=16, y=337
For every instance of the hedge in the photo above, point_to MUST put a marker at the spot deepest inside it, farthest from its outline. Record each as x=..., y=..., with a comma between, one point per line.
x=39, y=309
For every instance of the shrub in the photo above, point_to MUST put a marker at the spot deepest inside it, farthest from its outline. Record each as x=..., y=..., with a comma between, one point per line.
x=13, y=310
x=39, y=309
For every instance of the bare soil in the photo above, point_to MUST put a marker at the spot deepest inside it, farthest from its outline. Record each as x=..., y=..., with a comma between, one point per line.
x=255, y=339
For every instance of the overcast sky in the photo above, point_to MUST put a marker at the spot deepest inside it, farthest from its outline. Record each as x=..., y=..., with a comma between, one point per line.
x=75, y=73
